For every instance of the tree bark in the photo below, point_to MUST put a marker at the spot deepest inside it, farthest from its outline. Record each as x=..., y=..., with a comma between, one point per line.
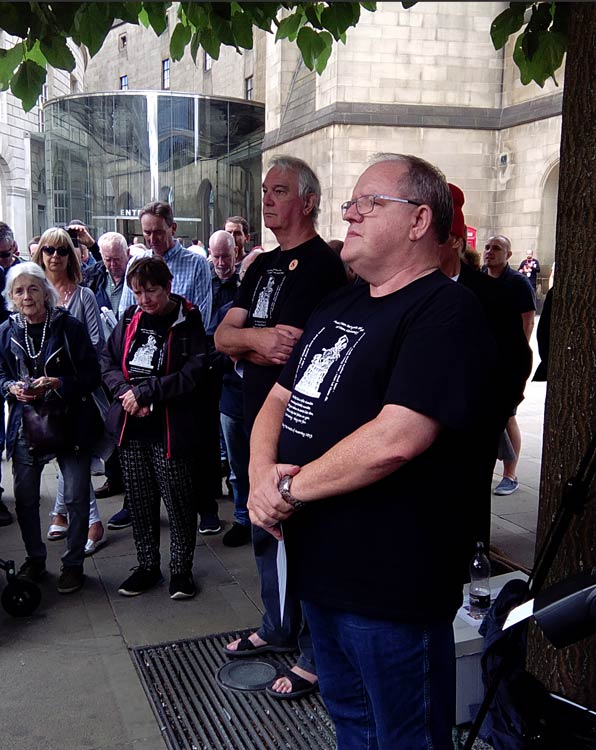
x=570, y=401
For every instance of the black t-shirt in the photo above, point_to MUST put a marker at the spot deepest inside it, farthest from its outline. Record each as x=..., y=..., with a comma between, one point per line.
x=519, y=289
x=397, y=548
x=147, y=358
x=283, y=287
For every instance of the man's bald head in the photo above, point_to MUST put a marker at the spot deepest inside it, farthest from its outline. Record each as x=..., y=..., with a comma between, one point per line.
x=222, y=252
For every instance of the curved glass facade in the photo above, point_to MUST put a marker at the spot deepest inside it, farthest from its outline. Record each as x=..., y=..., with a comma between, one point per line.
x=106, y=155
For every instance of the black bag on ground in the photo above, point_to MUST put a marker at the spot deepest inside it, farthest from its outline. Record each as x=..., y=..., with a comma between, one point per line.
x=45, y=427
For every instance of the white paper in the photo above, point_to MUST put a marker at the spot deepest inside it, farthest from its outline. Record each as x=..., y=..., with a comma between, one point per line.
x=282, y=576
x=517, y=614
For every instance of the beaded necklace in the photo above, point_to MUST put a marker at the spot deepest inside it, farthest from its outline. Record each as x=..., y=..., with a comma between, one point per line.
x=29, y=344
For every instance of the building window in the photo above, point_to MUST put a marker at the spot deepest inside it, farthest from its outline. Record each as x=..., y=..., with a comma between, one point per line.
x=43, y=97
x=123, y=83
x=207, y=62
x=249, y=91
x=165, y=73
x=122, y=41
x=61, y=195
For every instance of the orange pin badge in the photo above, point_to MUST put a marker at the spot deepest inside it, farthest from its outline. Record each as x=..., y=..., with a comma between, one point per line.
x=293, y=265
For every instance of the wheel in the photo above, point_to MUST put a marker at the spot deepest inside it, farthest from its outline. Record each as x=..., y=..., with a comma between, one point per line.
x=20, y=598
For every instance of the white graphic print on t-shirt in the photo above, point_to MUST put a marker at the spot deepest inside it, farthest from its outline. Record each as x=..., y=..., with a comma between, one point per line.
x=268, y=293
x=319, y=372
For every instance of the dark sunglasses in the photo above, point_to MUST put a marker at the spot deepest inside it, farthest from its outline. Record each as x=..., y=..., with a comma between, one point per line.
x=5, y=253
x=62, y=251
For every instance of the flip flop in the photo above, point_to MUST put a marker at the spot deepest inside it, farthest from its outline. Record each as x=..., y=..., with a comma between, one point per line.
x=247, y=648
x=300, y=686
x=56, y=532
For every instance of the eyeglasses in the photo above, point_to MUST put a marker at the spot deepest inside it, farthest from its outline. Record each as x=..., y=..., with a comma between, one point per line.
x=62, y=251
x=366, y=203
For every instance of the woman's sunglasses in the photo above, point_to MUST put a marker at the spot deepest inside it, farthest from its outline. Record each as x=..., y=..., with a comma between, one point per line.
x=62, y=251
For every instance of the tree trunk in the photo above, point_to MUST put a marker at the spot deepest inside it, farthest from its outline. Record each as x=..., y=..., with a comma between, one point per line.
x=570, y=402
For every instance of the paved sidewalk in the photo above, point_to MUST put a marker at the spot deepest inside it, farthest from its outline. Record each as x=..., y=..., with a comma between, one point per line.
x=68, y=682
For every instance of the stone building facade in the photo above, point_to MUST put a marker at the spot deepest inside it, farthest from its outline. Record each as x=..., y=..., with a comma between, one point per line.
x=425, y=80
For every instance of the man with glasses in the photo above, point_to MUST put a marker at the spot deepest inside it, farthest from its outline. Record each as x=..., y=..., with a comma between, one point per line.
x=8, y=258
x=278, y=293
x=351, y=450
x=497, y=252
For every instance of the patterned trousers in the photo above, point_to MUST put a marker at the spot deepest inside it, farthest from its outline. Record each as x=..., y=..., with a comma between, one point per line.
x=149, y=477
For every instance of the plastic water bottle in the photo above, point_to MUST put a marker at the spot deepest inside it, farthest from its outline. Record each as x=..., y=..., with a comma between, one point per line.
x=480, y=579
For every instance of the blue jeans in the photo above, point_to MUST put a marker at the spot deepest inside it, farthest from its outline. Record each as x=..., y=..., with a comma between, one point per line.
x=26, y=471
x=238, y=450
x=387, y=685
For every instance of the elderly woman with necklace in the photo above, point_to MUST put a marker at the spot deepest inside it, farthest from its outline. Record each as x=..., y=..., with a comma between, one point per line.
x=47, y=360
x=61, y=262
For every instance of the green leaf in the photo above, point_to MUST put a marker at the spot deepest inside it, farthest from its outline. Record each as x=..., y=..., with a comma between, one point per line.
x=194, y=14
x=27, y=83
x=92, y=24
x=9, y=59
x=223, y=10
x=373, y=6
x=242, y=30
x=157, y=16
x=195, y=44
x=128, y=12
x=56, y=52
x=506, y=23
x=180, y=38
x=338, y=17
x=323, y=57
x=546, y=59
x=310, y=45
x=144, y=18
x=407, y=5
x=313, y=14
x=221, y=29
x=34, y=53
x=289, y=27
x=210, y=43
x=561, y=18
x=16, y=18
x=541, y=17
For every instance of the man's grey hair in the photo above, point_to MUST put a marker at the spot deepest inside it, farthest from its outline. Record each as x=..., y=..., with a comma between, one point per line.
x=308, y=182
x=28, y=268
x=427, y=184
x=6, y=233
x=113, y=239
x=218, y=236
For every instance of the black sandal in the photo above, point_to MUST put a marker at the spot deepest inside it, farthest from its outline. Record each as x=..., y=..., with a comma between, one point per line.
x=300, y=686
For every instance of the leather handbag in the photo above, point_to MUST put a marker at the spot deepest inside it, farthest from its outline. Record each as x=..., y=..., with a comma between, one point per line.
x=45, y=428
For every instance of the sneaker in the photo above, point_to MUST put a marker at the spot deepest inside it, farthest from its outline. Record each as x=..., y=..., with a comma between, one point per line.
x=182, y=586
x=107, y=489
x=140, y=581
x=32, y=570
x=210, y=524
x=71, y=579
x=120, y=520
x=237, y=535
x=5, y=515
x=506, y=486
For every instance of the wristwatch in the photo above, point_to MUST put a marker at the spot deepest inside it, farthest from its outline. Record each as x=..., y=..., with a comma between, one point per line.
x=284, y=490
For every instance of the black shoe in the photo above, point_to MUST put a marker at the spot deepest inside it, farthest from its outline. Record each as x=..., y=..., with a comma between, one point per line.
x=209, y=524
x=71, y=579
x=237, y=535
x=120, y=520
x=182, y=586
x=5, y=515
x=33, y=570
x=140, y=581
x=108, y=489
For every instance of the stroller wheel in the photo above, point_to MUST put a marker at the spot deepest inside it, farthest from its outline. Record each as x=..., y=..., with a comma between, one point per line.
x=20, y=598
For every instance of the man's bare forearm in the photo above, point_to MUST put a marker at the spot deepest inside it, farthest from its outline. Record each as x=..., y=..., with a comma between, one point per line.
x=233, y=341
x=266, y=430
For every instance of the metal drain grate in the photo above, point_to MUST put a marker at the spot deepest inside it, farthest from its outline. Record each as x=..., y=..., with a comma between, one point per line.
x=195, y=713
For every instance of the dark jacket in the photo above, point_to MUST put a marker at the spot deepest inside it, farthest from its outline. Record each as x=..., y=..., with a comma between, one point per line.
x=179, y=390
x=71, y=357
x=95, y=277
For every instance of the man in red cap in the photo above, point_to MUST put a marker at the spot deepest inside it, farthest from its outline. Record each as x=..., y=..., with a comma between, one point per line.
x=513, y=367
